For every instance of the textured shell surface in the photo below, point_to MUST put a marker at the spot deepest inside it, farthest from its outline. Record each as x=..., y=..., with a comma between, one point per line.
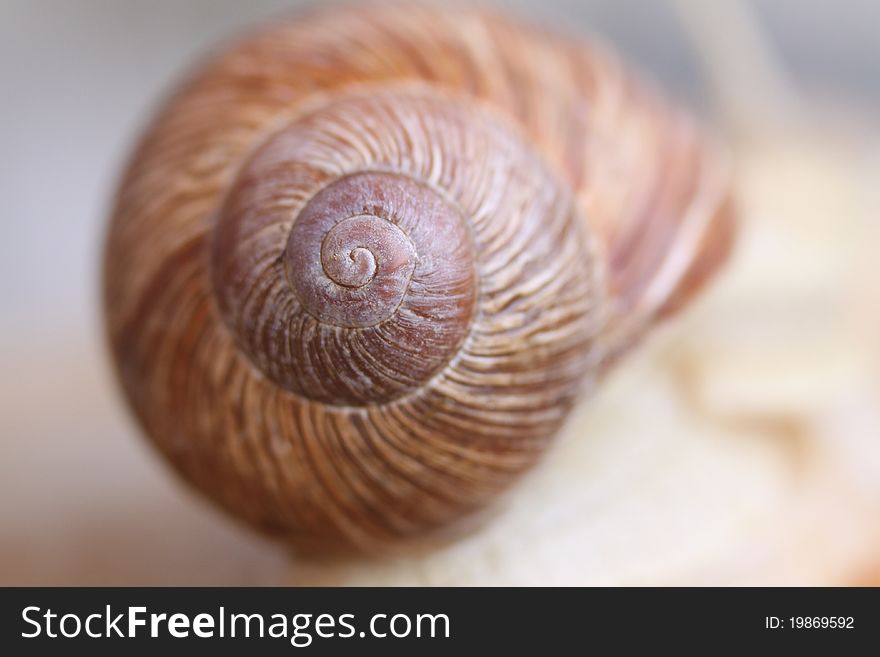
x=365, y=259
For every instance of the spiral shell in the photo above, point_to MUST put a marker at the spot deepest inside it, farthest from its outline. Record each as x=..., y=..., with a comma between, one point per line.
x=365, y=260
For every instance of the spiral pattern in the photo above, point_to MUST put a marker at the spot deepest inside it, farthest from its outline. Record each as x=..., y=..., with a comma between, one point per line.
x=344, y=259
x=364, y=261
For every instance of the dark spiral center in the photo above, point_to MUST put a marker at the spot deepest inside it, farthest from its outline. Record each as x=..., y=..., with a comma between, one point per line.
x=357, y=267
x=349, y=266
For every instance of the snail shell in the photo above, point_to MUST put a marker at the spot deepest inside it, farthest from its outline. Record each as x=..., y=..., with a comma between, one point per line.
x=364, y=261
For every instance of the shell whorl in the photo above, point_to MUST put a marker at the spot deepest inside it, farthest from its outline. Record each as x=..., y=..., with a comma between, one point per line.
x=349, y=251
x=363, y=263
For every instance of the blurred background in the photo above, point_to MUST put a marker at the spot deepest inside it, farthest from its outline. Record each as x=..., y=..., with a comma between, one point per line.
x=741, y=445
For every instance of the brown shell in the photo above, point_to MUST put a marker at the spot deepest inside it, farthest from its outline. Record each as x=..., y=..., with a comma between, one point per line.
x=364, y=261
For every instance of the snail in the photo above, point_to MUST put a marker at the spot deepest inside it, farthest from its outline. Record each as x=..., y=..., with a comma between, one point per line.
x=364, y=261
